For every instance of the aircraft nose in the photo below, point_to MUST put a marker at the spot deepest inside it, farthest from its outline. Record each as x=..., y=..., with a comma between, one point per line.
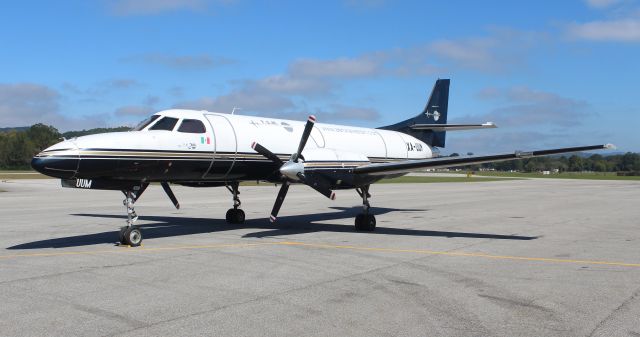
x=37, y=164
x=57, y=161
x=63, y=168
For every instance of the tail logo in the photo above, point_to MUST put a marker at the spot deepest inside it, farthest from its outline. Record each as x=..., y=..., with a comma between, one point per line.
x=435, y=115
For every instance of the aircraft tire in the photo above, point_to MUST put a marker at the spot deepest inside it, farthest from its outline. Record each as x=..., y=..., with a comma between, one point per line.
x=121, y=235
x=239, y=216
x=229, y=215
x=235, y=216
x=365, y=222
x=133, y=236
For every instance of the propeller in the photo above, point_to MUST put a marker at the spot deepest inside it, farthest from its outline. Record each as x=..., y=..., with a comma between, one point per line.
x=293, y=170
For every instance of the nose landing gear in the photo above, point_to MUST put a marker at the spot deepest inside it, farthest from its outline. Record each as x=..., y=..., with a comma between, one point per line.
x=130, y=234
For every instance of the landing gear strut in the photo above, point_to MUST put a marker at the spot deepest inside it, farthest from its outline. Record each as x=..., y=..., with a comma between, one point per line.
x=235, y=215
x=364, y=221
x=130, y=234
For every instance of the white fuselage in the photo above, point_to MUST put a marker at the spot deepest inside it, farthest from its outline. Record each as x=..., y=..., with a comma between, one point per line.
x=226, y=141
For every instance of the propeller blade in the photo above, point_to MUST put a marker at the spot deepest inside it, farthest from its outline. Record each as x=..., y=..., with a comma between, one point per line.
x=318, y=183
x=279, y=200
x=305, y=136
x=170, y=194
x=265, y=152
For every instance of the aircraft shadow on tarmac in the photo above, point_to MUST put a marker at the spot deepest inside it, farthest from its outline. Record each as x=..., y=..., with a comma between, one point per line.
x=168, y=226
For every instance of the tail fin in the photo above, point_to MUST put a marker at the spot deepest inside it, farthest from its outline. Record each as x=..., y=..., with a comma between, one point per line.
x=435, y=112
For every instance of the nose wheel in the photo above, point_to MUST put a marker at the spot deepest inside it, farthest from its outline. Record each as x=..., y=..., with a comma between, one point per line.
x=131, y=236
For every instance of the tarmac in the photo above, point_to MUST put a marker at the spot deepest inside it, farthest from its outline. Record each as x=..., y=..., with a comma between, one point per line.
x=536, y=257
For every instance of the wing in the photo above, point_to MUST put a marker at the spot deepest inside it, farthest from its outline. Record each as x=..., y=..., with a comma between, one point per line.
x=453, y=127
x=442, y=162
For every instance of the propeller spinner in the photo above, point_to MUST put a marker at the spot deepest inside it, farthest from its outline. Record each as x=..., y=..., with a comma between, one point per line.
x=293, y=170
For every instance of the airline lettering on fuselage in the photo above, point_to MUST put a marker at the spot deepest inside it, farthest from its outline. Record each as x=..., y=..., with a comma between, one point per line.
x=83, y=183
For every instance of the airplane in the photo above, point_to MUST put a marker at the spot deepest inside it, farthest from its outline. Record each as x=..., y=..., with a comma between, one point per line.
x=210, y=149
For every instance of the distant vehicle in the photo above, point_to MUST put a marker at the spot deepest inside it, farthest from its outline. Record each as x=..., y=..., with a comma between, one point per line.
x=208, y=149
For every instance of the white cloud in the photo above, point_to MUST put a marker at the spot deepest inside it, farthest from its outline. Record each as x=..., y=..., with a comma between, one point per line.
x=524, y=107
x=501, y=50
x=624, y=30
x=470, y=53
x=340, y=112
x=286, y=84
x=24, y=104
x=247, y=101
x=341, y=67
x=101, y=88
x=134, y=110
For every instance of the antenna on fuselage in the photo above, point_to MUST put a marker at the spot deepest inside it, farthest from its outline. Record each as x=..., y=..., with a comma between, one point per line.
x=234, y=110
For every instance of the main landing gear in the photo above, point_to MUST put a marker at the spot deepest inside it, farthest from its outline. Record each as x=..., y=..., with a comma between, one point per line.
x=130, y=234
x=365, y=222
x=235, y=215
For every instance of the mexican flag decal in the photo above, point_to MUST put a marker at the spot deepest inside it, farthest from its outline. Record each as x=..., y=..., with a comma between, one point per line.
x=205, y=140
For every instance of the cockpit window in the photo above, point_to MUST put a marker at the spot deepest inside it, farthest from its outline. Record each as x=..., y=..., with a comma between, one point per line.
x=166, y=123
x=145, y=122
x=192, y=126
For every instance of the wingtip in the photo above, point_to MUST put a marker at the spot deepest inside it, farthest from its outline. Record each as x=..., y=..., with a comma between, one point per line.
x=610, y=146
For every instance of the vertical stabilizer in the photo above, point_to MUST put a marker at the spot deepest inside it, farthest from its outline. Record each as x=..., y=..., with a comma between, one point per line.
x=435, y=112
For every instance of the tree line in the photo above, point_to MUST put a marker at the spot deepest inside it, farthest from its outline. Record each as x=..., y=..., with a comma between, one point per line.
x=18, y=146
x=627, y=162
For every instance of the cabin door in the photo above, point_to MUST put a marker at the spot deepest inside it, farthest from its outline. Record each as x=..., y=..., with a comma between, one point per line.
x=225, y=147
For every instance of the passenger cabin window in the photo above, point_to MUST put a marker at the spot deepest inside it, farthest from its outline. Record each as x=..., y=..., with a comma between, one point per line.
x=167, y=123
x=146, y=122
x=192, y=126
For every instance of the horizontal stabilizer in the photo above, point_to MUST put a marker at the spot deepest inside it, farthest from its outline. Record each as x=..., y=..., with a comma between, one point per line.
x=453, y=127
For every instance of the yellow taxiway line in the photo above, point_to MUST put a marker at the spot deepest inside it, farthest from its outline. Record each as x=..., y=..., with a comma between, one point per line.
x=320, y=246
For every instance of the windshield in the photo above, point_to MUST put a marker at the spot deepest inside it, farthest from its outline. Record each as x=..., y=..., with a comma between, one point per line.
x=145, y=122
x=166, y=123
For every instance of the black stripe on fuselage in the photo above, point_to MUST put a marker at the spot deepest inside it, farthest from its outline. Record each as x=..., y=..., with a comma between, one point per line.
x=165, y=165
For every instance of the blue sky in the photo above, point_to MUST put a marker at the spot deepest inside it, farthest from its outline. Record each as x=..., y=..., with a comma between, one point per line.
x=549, y=73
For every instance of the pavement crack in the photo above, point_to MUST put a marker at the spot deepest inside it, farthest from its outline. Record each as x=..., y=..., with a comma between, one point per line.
x=615, y=311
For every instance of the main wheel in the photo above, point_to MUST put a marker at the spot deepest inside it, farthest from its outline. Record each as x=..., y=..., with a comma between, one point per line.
x=365, y=222
x=370, y=222
x=133, y=236
x=360, y=222
x=235, y=216
x=229, y=215
x=238, y=216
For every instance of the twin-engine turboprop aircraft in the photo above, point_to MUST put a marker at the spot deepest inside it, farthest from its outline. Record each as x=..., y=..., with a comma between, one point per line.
x=206, y=149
